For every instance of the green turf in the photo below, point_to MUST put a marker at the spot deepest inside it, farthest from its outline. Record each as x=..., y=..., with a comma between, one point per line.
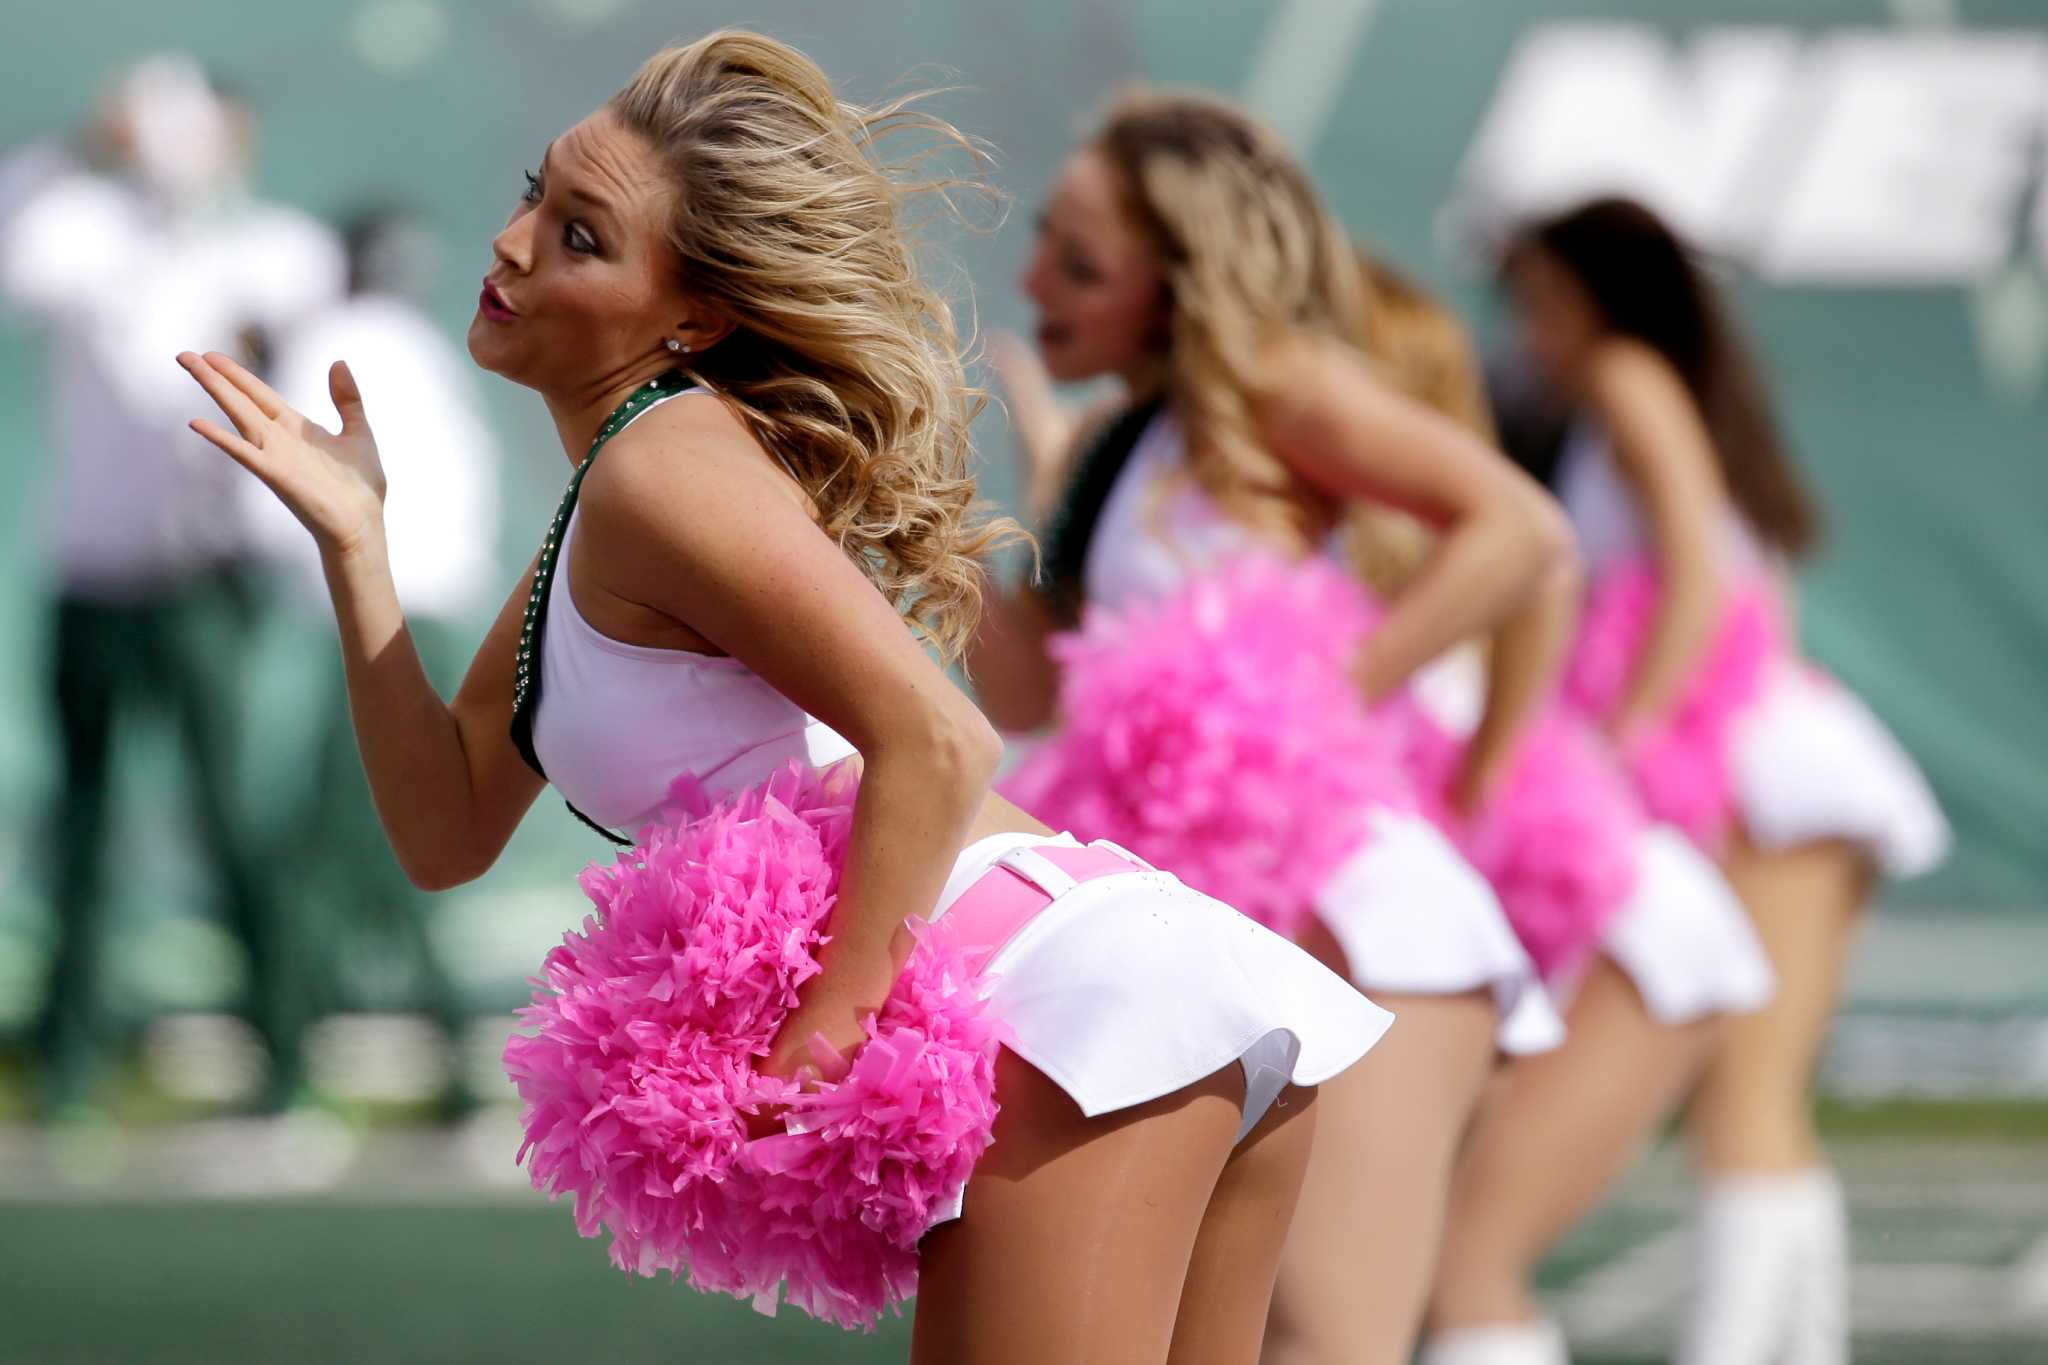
x=315, y=1282
x=182, y=1282
x=2019, y=1121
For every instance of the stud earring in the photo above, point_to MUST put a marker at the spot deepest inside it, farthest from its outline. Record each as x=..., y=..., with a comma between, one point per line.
x=674, y=346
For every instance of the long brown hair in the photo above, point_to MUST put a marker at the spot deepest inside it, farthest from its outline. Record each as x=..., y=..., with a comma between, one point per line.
x=1647, y=284
x=845, y=362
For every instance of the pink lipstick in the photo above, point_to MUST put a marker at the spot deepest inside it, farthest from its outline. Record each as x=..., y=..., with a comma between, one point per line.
x=492, y=304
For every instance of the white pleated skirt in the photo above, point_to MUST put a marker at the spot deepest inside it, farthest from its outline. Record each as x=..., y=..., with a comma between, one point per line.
x=1134, y=985
x=1414, y=918
x=1684, y=939
x=1811, y=762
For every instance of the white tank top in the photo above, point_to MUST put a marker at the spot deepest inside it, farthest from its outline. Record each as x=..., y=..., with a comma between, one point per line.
x=1157, y=527
x=1608, y=518
x=618, y=723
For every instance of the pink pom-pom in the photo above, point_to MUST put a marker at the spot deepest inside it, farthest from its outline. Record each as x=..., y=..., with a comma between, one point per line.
x=1220, y=731
x=1680, y=764
x=650, y=1024
x=1557, y=840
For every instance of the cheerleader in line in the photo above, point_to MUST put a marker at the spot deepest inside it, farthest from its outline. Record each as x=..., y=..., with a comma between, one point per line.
x=1690, y=515
x=767, y=1061
x=1634, y=927
x=1184, y=253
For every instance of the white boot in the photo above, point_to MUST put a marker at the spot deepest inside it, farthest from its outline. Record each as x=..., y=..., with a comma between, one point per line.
x=1771, y=1269
x=1818, y=1330
x=1506, y=1343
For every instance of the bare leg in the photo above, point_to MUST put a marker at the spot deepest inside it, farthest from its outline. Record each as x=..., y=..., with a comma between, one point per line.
x=1554, y=1134
x=1355, y=1273
x=1773, y=1277
x=1754, y=1109
x=1237, y=1254
x=1078, y=1233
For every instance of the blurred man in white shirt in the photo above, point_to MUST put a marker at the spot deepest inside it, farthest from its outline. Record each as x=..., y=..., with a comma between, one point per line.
x=141, y=242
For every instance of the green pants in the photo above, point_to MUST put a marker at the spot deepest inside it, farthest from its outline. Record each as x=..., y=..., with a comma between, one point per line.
x=347, y=885
x=172, y=661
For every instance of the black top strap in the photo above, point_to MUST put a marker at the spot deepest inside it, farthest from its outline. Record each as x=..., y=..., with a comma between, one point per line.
x=1071, y=528
x=526, y=666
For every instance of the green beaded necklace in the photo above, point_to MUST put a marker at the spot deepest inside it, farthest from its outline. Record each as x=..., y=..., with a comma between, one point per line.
x=526, y=666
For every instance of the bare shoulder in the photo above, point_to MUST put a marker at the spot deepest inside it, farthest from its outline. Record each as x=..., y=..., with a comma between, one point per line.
x=688, y=467
x=1657, y=435
x=1622, y=372
x=1296, y=356
x=1311, y=376
x=682, y=441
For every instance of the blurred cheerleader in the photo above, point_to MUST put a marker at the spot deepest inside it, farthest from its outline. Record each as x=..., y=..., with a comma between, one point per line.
x=769, y=1061
x=1690, y=515
x=1211, y=701
x=1629, y=921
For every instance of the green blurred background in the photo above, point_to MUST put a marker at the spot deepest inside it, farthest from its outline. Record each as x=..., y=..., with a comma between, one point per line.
x=1930, y=597
x=1923, y=426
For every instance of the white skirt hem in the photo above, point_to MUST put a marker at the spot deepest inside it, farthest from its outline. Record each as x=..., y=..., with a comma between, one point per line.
x=1811, y=762
x=1134, y=985
x=1414, y=918
x=1683, y=939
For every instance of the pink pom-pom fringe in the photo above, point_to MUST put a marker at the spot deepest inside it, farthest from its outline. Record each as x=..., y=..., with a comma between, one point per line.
x=649, y=1025
x=1220, y=732
x=1681, y=764
x=1557, y=840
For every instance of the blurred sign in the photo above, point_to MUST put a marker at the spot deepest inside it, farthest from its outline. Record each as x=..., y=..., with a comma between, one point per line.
x=1900, y=157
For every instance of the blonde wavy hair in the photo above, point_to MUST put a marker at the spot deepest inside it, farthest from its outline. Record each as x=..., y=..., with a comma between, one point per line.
x=1419, y=347
x=1248, y=251
x=845, y=362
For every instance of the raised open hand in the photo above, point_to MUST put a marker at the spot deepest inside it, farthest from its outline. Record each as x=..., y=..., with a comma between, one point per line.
x=1041, y=426
x=332, y=482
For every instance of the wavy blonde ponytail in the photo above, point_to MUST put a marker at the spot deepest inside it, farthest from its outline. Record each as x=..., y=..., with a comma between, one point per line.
x=845, y=361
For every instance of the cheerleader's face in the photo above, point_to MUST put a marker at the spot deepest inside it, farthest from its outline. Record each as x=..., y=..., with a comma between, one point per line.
x=584, y=289
x=1095, y=278
x=1557, y=318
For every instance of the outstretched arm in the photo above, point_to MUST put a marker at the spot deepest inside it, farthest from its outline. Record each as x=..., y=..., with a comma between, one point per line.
x=1521, y=672
x=448, y=784
x=1342, y=428
x=1661, y=447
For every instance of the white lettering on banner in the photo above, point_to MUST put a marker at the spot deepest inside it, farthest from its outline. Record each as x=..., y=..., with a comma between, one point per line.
x=1859, y=157
x=1586, y=109
x=1917, y=167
